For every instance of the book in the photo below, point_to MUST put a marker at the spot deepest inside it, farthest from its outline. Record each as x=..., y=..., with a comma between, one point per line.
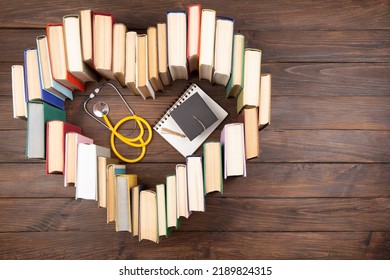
x=86, y=35
x=249, y=117
x=135, y=207
x=233, y=143
x=131, y=62
x=55, y=144
x=191, y=119
x=171, y=200
x=47, y=82
x=142, y=80
x=19, y=104
x=194, y=12
x=162, y=210
x=57, y=53
x=87, y=171
x=250, y=94
x=182, y=191
x=195, y=184
x=102, y=24
x=207, y=39
x=72, y=139
x=236, y=82
x=148, y=216
x=32, y=81
x=112, y=171
x=73, y=48
x=39, y=113
x=213, y=167
x=103, y=162
x=177, y=44
x=223, y=50
x=153, y=75
x=265, y=101
x=162, y=54
x=119, y=53
x=124, y=183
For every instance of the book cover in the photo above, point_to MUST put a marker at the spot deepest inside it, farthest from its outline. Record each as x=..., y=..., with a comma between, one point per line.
x=112, y=171
x=47, y=81
x=124, y=182
x=87, y=171
x=213, y=167
x=34, y=90
x=235, y=84
x=103, y=162
x=57, y=53
x=39, y=113
x=195, y=183
x=19, y=104
x=55, y=144
x=177, y=44
x=187, y=129
x=233, y=143
x=72, y=139
x=102, y=43
x=194, y=12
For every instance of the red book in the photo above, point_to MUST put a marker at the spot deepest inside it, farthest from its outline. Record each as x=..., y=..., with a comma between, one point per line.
x=55, y=144
x=102, y=24
x=59, y=69
x=193, y=36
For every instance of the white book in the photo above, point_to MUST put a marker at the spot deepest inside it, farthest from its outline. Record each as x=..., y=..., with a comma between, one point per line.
x=177, y=45
x=232, y=140
x=223, y=50
x=18, y=92
x=207, y=39
x=195, y=184
x=182, y=191
x=87, y=170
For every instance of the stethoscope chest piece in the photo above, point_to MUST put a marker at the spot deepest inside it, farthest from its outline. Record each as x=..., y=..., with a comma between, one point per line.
x=101, y=109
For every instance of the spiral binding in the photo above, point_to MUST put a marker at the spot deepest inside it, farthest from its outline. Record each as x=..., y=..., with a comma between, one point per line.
x=176, y=104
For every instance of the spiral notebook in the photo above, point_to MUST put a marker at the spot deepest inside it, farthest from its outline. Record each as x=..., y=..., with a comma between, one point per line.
x=190, y=120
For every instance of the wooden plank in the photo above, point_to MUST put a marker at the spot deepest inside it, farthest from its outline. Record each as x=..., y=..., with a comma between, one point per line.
x=255, y=15
x=222, y=214
x=277, y=46
x=287, y=112
x=326, y=146
x=297, y=79
x=265, y=180
x=203, y=245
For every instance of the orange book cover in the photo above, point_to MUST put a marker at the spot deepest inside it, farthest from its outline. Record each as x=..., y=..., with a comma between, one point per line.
x=70, y=81
x=194, y=13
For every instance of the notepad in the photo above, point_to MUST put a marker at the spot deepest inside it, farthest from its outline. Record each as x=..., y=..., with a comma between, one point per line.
x=191, y=119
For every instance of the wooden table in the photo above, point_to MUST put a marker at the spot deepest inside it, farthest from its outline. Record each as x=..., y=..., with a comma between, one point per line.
x=321, y=187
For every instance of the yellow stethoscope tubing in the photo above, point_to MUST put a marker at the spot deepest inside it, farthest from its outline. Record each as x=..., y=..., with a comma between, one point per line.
x=141, y=122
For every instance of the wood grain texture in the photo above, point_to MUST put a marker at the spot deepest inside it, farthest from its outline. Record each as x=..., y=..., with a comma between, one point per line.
x=254, y=15
x=321, y=187
x=288, y=180
x=203, y=245
x=222, y=214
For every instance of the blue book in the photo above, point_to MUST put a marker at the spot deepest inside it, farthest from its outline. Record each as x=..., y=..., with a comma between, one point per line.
x=34, y=89
x=47, y=81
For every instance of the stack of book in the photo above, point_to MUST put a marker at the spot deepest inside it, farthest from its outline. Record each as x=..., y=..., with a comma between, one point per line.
x=88, y=46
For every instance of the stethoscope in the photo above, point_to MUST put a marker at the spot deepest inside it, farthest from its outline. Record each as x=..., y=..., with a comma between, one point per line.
x=101, y=110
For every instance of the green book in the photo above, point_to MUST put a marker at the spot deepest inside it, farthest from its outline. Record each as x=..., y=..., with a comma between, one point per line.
x=39, y=113
x=235, y=85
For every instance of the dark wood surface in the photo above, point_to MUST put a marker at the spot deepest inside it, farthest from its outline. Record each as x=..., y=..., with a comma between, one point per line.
x=321, y=187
